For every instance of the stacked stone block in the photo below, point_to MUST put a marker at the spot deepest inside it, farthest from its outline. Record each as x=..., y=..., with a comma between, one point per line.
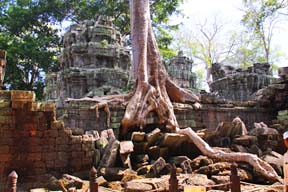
x=94, y=62
x=33, y=143
x=239, y=84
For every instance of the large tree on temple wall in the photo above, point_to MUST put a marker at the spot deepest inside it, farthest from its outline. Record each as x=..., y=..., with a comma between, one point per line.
x=154, y=91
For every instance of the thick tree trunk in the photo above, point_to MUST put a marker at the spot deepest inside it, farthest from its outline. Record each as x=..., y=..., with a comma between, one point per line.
x=155, y=91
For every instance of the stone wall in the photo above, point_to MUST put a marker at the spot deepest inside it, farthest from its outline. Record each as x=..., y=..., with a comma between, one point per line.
x=78, y=115
x=240, y=84
x=180, y=71
x=33, y=142
x=93, y=62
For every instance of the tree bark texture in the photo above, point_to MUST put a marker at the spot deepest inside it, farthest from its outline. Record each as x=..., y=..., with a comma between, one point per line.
x=155, y=92
x=154, y=89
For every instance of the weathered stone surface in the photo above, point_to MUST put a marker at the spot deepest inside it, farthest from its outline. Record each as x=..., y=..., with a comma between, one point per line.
x=153, y=152
x=179, y=69
x=276, y=160
x=92, y=48
x=112, y=173
x=220, y=180
x=158, y=166
x=172, y=139
x=153, y=136
x=239, y=84
x=110, y=154
x=213, y=168
x=137, y=187
x=186, y=166
x=138, y=136
x=71, y=181
x=262, y=129
x=126, y=147
x=245, y=140
x=177, y=160
x=200, y=161
x=101, y=181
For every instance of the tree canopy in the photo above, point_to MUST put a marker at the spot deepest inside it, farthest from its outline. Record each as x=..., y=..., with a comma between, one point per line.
x=28, y=33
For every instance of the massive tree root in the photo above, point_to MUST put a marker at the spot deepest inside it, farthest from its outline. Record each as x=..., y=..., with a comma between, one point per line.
x=155, y=92
x=258, y=164
x=154, y=89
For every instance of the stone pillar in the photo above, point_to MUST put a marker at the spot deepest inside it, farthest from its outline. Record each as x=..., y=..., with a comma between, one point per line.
x=2, y=68
x=12, y=182
x=173, y=181
x=93, y=182
x=234, y=179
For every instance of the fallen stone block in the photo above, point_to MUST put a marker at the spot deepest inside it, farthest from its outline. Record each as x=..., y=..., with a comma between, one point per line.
x=126, y=147
x=153, y=136
x=138, y=136
x=137, y=187
x=158, y=166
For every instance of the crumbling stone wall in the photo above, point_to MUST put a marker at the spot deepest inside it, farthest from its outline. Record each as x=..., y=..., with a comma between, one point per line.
x=78, y=115
x=240, y=84
x=34, y=143
x=94, y=62
x=180, y=71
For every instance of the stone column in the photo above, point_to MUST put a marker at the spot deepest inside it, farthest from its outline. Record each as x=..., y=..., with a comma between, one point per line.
x=2, y=67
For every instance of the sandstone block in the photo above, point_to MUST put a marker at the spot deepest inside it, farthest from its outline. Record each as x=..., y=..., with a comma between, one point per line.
x=158, y=166
x=153, y=136
x=4, y=149
x=101, y=181
x=126, y=147
x=62, y=140
x=140, y=148
x=172, y=139
x=177, y=160
x=138, y=136
x=110, y=154
x=57, y=125
x=5, y=157
x=153, y=152
x=137, y=187
x=51, y=133
x=112, y=173
x=22, y=95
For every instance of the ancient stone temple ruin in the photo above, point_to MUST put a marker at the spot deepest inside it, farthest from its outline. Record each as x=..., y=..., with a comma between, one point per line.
x=240, y=84
x=41, y=148
x=94, y=62
x=180, y=70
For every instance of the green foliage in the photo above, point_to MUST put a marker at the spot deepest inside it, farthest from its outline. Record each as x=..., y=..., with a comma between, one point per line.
x=261, y=18
x=32, y=44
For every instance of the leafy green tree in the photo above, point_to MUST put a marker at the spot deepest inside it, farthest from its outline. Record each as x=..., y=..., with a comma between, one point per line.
x=31, y=44
x=261, y=18
x=27, y=32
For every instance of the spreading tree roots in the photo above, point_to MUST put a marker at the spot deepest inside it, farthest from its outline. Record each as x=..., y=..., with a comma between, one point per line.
x=155, y=92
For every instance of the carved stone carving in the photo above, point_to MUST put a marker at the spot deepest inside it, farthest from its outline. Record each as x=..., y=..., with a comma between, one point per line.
x=240, y=84
x=93, y=62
